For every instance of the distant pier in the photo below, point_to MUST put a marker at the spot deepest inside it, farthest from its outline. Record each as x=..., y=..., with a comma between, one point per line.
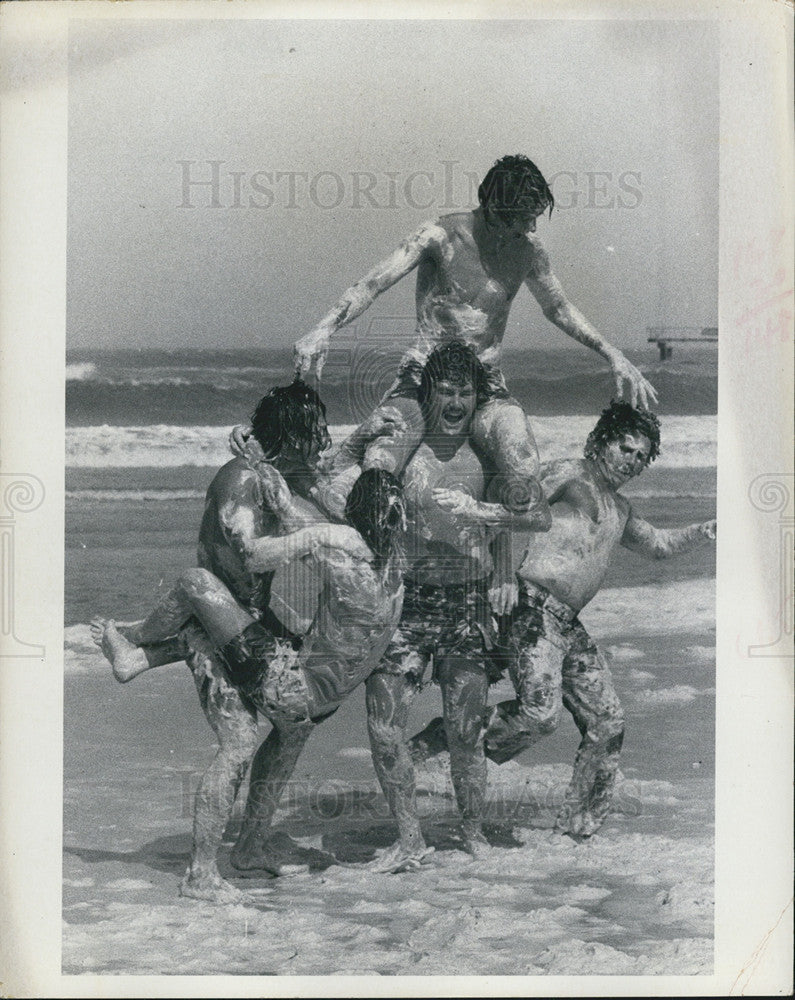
x=666, y=336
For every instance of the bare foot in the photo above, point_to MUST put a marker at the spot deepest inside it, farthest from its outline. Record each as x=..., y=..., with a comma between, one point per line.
x=578, y=826
x=126, y=659
x=397, y=858
x=475, y=841
x=276, y=854
x=207, y=884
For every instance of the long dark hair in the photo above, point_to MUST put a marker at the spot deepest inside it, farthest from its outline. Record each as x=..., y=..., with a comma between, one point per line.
x=375, y=507
x=622, y=418
x=291, y=414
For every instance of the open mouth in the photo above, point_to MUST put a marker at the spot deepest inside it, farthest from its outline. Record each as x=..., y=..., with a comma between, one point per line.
x=453, y=414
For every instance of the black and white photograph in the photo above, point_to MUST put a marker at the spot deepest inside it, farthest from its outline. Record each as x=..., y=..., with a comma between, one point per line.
x=401, y=360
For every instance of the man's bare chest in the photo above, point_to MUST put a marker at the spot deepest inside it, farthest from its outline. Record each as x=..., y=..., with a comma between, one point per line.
x=485, y=279
x=426, y=471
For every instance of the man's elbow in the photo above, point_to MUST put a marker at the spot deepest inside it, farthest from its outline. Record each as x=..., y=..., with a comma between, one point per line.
x=541, y=517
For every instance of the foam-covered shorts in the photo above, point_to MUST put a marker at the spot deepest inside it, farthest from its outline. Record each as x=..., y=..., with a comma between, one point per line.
x=442, y=621
x=266, y=670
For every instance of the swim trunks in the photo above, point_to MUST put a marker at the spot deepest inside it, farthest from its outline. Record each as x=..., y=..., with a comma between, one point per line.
x=266, y=671
x=554, y=662
x=440, y=621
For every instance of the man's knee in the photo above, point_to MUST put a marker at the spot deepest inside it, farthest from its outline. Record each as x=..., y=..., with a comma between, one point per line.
x=197, y=581
x=463, y=731
x=541, y=718
x=609, y=730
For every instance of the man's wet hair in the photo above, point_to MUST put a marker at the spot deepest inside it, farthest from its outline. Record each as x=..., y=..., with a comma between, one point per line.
x=622, y=418
x=515, y=184
x=453, y=362
x=376, y=508
x=290, y=415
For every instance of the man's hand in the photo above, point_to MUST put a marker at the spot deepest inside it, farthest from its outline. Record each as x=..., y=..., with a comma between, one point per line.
x=242, y=442
x=627, y=377
x=503, y=596
x=709, y=529
x=458, y=503
x=275, y=491
x=313, y=347
x=386, y=421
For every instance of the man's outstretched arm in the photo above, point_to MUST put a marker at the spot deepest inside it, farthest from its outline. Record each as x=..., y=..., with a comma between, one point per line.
x=660, y=543
x=314, y=346
x=471, y=511
x=550, y=295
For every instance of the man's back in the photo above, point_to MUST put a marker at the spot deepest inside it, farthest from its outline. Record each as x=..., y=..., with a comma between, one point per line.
x=234, y=509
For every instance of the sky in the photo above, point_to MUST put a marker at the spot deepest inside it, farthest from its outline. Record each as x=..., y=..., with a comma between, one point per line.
x=229, y=179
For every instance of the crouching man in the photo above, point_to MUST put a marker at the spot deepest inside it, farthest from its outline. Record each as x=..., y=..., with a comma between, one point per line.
x=551, y=658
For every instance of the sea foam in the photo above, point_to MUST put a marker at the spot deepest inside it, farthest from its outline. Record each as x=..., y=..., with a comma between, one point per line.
x=687, y=442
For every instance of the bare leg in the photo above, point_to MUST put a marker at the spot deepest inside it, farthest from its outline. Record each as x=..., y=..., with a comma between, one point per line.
x=388, y=699
x=128, y=660
x=502, y=435
x=589, y=695
x=464, y=692
x=271, y=770
x=198, y=593
x=393, y=452
x=235, y=726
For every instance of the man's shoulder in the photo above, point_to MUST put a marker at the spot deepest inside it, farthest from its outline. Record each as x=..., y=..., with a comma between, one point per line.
x=574, y=468
x=455, y=223
x=535, y=255
x=237, y=474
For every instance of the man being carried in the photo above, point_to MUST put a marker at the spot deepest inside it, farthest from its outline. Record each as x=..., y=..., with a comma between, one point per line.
x=470, y=267
x=552, y=659
x=248, y=507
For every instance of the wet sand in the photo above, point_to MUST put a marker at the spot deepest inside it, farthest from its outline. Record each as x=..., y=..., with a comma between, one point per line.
x=637, y=899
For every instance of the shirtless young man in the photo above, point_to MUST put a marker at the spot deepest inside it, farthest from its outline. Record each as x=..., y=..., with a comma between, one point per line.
x=470, y=267
x=293, y=686
x=446, y=614
x=245, y=512
x=552, y=659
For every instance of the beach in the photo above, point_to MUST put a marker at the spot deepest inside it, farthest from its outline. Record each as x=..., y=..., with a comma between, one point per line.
x=636, y=899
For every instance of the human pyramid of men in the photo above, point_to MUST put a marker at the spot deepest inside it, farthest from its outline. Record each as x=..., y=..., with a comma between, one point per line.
x=406, y=525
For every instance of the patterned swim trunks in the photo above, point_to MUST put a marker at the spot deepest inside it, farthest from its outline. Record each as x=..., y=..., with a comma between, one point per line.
x=439, y=621
x=266, y=671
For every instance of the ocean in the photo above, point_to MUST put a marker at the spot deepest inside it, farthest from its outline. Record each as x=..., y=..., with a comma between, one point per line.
x=145, y=431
